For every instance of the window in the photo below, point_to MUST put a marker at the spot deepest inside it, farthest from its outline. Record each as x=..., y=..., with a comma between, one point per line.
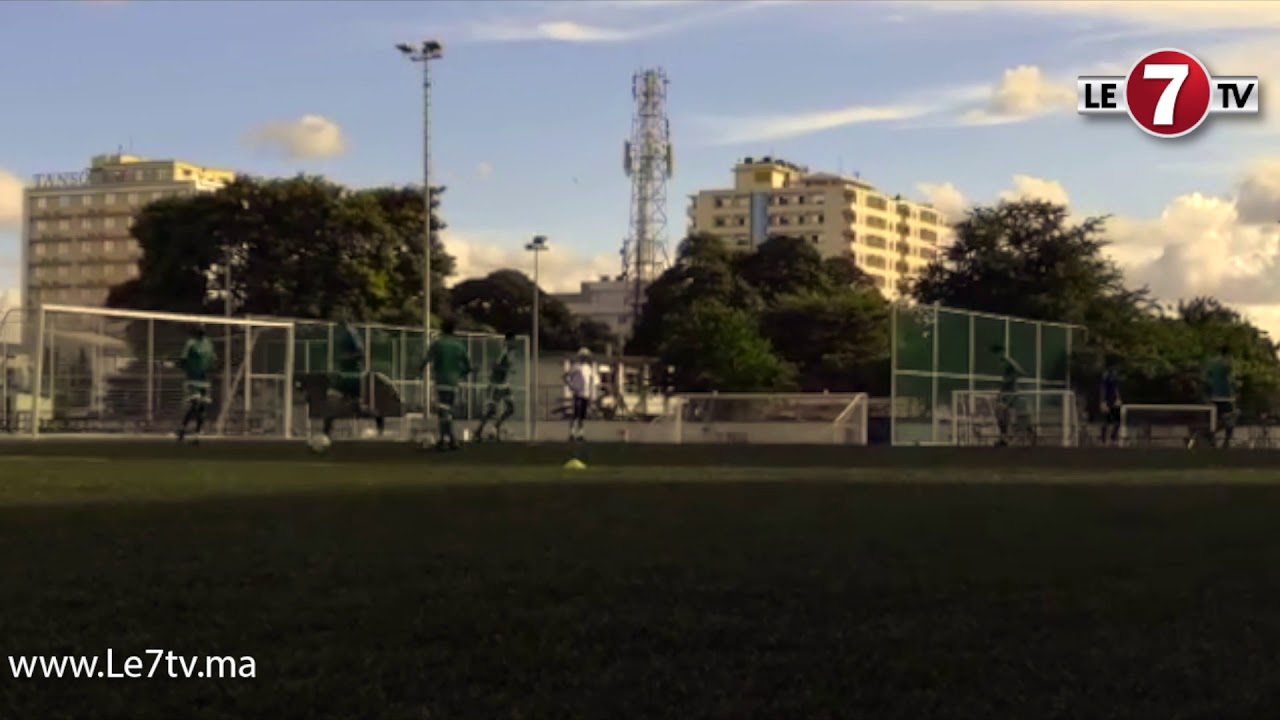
x=822, y=219
x=86, y=201
x=132, y=272
x=86, y=246
x=64, y=225
x=877, y=222
x=40, y=226
x=813, y=239
x=717, y=202
x=109, y=223
x=877, y=202
x=928, y=235
x=109, y=246
x=928, y=217
x=133, y=199
x=62, y=248
x=65, y=201
x=40, y=249
x=927, y=254
x=109, y=199
x=740, y=221
x=876, y=241
x=818, y=199
x=65, y=270
x=141, y=176
x=42, y=203
x=157, y=195
x=86, y=224
x=718, y=222
x=875, y=261
x=781, y=200
x=128, y=221
x=799, y=199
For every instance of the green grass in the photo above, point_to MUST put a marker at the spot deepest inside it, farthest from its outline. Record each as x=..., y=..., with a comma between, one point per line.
x=431, y=589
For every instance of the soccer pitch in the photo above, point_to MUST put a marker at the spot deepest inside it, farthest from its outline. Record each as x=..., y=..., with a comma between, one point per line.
x=672, y=582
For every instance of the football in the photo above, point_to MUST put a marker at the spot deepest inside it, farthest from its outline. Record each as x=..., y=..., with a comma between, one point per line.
x=318, y=443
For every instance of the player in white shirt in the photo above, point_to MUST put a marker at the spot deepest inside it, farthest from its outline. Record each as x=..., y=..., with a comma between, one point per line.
x=581, y=380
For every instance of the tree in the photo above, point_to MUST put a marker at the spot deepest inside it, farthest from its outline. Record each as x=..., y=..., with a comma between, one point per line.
x=300, y=247
x=503, y=302
x=781, y=266
x=717, y=347
x=837, y=340
x=1026, y=259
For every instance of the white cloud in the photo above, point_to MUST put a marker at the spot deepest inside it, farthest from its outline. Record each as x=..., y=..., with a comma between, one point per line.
x=560, y=269
x=1027, y=187
x=729, y=130
x=1198, y=15
x=576, y=31
x=484, y=169
x=947, y=198
x=10, y=199
x=1022, y=93
x=311, y=137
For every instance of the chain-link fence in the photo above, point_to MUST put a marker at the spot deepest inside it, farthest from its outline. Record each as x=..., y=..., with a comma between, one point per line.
x=936, y=351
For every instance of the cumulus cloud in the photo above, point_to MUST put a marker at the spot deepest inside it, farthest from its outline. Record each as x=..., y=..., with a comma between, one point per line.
x=559, y=270
x=311, y=137
x=946, y=197
x=10, y=200
x=576, y=31
x=731, y=130
x=1224, y=245
x=1024, y=92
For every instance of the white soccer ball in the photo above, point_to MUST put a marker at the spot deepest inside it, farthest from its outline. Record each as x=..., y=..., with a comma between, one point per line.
x=318, y=443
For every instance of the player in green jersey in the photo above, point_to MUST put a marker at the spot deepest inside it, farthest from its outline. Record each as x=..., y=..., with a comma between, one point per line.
x=450, y=365
x=349, y=381
x=197, y=361
x=499, y=390
x=1007, y=415
x=1220, y=389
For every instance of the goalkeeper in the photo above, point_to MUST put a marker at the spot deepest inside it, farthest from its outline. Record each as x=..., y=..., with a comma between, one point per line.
x=1007, y=409
x=450, y=365
x=349, y=381
x=197, y=361
x=1110, y=401
x=499, y=390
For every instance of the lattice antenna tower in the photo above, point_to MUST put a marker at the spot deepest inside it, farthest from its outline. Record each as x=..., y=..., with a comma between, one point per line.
x=648, y=160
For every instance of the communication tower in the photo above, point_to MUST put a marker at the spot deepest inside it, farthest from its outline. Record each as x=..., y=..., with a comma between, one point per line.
x=647, y=159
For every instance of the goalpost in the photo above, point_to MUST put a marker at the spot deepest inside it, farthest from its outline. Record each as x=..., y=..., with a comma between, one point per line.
x=1049, y=415
x=114, y=372
x=768, y=418
x=1164, y=425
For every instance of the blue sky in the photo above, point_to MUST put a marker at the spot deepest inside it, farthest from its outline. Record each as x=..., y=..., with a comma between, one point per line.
x=532, y=103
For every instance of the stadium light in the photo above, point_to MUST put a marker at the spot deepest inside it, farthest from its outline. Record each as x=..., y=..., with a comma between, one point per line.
x=424, y=53
x=537, y=246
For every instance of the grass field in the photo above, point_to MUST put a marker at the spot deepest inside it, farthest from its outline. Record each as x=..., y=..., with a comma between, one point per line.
x=659, y=583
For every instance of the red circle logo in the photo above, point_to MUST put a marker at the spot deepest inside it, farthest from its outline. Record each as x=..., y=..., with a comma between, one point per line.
x=1168, y=93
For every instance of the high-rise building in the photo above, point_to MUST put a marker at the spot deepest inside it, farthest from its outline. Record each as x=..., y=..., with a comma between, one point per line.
x=76, y=244
x=889, y=237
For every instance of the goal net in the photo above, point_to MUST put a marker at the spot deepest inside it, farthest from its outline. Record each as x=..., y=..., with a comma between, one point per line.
x=1164, y=425
x=1034, y=417
x=766, y=418
x=115, y=371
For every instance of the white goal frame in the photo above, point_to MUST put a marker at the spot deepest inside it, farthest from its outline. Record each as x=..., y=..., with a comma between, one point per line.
x=963, y=398
x=855, y=411
x=42, y=339
x=1212, y=411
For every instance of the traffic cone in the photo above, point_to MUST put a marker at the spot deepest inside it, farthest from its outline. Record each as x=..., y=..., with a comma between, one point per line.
x=575, y=464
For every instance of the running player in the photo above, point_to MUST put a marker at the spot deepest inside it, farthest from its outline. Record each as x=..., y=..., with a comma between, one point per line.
x=499, y=390
x=450, y=365
x=197, y=361
x=349, y=381
x=581, y=380
x=1110, y=398
x=1007, y=412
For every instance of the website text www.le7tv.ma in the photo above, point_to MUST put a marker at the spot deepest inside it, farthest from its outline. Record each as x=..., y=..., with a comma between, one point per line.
x=151, y=664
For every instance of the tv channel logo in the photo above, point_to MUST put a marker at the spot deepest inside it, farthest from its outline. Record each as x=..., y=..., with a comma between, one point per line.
x=1169, y=94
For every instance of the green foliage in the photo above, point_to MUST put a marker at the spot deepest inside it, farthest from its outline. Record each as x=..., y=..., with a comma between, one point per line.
x=714, y=347
x=503, y=302
x=298, y=247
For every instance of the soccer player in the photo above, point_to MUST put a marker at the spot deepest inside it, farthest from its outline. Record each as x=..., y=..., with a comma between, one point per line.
x=1007, y=412
x=197, y=362
x=581, y=380
x=1220, y=384
x=349, y=380
x=1110, y=397
x=499, y=390
x=450, y=365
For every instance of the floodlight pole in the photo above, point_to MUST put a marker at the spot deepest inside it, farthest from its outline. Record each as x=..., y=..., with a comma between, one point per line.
x=425, y=52
x=537, y=246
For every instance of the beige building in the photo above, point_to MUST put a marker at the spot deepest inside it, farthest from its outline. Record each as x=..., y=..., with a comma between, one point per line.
x=76, y=244
x=607, y=300
x=889, y=237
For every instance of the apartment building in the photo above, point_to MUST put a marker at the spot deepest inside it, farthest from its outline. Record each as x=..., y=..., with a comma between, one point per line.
x=889, y=237
x=76, y=244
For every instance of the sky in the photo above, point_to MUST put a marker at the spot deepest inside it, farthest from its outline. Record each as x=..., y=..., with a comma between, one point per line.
x=952, y=102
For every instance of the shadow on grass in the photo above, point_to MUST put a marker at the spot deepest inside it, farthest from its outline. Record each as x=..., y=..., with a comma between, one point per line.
x=762, y=599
